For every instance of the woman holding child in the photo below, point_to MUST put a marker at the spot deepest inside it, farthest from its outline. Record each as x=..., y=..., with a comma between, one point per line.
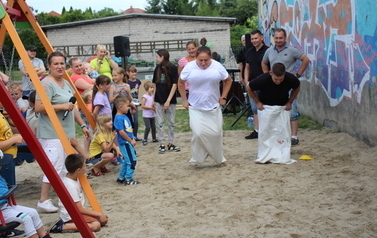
x=81, y=80
x=204, y=76
x=59, y=93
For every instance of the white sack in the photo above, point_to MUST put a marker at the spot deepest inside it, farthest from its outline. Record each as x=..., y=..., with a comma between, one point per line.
x=207, y=135
x=274, y=137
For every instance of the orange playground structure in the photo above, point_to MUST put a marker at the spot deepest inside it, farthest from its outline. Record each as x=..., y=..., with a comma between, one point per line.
x=18, y=10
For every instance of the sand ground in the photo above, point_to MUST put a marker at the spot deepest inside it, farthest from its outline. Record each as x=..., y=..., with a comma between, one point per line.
x=333, y=195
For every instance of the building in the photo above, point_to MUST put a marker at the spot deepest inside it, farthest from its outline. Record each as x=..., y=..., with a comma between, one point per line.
x=146, y=32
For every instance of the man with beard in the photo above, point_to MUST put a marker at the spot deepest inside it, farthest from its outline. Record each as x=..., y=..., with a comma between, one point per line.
x=286, y=54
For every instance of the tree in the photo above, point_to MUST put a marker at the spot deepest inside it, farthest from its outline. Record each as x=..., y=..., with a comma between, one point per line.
x=205, y=9
x=236, y=32
x=75, y=15
x=170, y=7
x=106, y=12
x=241, y=9
x=154, y=7
x=47, y=19
x=63, y=11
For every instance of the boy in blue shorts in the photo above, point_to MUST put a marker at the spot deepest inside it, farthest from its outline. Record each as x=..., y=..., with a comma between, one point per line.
x=126, y=141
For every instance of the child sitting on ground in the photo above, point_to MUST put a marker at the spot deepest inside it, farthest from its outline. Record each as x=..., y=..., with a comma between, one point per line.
x=102, y=148
x=75, y=165
x=126, y=141
x=27, y=216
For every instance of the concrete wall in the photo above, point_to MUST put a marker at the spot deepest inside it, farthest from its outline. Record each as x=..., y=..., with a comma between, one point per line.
x=140, y=28
x=340, y=37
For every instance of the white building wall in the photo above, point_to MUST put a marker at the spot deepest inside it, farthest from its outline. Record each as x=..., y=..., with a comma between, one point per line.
x=145, y=29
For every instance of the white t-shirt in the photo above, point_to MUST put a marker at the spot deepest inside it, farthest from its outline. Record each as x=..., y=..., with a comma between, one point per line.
x=75, y=190
x=204, y=84
x=21, y=103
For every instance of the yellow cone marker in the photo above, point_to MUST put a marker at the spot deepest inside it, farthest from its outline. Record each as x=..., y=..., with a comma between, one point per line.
x=305, y=157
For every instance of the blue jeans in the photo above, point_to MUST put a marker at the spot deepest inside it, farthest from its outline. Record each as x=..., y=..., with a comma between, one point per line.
x=253, y=105
x=295, y=114
x=129, y=156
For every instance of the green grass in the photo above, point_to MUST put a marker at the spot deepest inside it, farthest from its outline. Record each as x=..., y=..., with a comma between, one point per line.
x=182, y=123
x=15, y=75
x=306, y=122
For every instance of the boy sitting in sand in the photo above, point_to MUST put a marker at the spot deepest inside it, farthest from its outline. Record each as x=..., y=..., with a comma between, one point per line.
x=75, y=164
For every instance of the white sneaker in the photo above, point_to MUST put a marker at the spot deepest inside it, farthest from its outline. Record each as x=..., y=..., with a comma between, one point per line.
x=47, y=206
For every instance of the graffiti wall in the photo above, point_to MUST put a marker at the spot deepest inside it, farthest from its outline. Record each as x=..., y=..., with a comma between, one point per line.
x=340, y=38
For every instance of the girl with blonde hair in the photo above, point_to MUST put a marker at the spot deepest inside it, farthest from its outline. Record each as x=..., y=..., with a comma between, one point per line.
x=102, y=148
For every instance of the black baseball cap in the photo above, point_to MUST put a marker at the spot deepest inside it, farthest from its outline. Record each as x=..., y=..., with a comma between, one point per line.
x=31, y=48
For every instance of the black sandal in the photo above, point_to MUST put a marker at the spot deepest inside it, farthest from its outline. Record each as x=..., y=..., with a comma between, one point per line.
x=131, y=182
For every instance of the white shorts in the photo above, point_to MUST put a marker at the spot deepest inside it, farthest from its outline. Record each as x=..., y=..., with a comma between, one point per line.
x=56, y=154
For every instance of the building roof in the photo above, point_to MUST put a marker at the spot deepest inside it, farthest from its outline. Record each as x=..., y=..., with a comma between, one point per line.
x=231, y=20
x=134, y=10
x=53, y=13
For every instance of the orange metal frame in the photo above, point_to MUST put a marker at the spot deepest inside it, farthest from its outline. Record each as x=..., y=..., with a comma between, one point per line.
x=15, y=6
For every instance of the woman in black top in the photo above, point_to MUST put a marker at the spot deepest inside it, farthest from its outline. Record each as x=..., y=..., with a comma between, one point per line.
x=165, y=77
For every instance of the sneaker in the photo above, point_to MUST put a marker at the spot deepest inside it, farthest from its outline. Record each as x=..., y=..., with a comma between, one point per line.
x=161, y=149
x=15, y=232
x=137, y=139
x=154, y=140
x=172, y=147
x=294, y=141
x=145, y=142
x=131, y=182
x=56, y=226
x=91, y=162
x=120, y=181
x=253, y=135
x=47, y=236
x=47, y=206
x=115, y=163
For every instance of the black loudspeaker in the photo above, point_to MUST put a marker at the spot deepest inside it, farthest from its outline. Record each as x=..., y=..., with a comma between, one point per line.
x=122, y=46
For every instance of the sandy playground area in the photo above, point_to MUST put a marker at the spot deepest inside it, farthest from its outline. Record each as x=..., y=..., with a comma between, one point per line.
x=333, y=195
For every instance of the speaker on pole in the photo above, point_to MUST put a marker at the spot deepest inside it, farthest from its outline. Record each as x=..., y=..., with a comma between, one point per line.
x=122, y=46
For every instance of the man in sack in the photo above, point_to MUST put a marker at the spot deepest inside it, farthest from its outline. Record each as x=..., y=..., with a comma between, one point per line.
x=274, y=102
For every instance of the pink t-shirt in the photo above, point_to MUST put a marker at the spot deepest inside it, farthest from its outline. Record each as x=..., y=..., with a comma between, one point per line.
x=149, y=100
x=75, y=77
x=182, y=63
